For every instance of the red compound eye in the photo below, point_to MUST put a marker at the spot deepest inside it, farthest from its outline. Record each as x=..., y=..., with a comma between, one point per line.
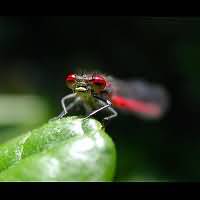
x=70, y=79
x=99, y=82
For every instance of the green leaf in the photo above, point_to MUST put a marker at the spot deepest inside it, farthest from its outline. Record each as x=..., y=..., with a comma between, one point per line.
x=69, y=149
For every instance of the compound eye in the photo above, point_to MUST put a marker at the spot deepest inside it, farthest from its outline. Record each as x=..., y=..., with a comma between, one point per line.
x=98, y=82
x=70, y=80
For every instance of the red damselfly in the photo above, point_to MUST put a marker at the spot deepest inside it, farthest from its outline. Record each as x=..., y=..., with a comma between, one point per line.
x=97, y=92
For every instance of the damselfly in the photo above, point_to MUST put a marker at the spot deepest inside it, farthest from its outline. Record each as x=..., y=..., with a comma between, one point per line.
x=98, y=92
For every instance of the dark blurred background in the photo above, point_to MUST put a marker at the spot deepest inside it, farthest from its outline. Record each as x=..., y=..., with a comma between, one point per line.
x=37, y=52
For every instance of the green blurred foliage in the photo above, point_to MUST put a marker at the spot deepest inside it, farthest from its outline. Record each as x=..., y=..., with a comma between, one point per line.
x=70, y=149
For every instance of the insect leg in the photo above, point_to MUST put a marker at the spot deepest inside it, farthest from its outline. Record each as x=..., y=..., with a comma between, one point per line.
x=63, y=101
x=66, y=108
x=114, y=114
x=105, y=104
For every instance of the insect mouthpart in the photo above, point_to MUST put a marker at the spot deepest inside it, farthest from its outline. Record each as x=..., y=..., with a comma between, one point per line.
x=81, y=89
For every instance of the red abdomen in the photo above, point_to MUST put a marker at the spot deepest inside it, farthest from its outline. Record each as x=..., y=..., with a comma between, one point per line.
x=144, y=109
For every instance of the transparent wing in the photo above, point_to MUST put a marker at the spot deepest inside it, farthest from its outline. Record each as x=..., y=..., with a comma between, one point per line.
x=142, y=98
